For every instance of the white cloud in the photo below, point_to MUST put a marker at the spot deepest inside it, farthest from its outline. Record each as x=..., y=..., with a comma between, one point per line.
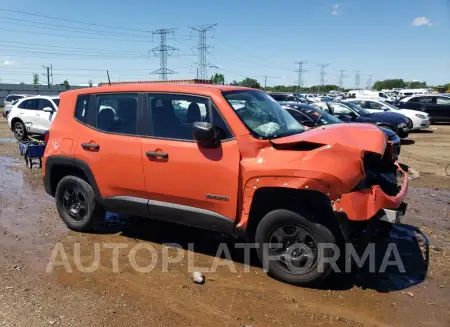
x=335, y=10
x=421, y=21
x=8, y=62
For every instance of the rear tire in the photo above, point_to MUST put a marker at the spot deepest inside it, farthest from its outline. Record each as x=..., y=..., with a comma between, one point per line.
x=76, y=204
x=20, y=133
x=316, y=269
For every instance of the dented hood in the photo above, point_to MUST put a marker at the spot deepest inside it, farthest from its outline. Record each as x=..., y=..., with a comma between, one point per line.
x=364, y=137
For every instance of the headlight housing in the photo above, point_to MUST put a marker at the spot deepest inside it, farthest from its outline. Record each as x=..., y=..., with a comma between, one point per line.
x=421, y=116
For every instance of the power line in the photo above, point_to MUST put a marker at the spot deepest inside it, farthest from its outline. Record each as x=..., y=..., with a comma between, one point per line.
x=73, y=36
x=35, y=24
x=322, y=75
x=73, y=21
x=300, y=72
x=163, y=51
x=202, y=49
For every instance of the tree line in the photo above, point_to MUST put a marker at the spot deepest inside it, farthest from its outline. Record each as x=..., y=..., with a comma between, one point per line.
x=378, y=85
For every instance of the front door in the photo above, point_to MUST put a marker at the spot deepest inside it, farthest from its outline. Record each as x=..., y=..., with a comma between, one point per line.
x=185, y=182
x=43, y=118
x=109, y=144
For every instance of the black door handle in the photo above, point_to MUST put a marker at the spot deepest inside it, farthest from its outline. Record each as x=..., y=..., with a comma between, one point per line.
x=151, y=154
x=90, y=146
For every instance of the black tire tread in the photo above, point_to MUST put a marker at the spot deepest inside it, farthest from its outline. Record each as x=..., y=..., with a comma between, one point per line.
x=96, y=213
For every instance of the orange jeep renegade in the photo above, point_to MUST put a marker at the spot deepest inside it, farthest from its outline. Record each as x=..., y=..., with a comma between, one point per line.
x=223, y=158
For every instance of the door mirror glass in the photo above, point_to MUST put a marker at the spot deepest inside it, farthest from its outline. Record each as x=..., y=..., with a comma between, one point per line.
x=205, y=134
x=47, y=109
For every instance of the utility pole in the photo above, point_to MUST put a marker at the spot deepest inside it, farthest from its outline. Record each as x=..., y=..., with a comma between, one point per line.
x=357, y=79
x=265, y=81
x=201, y=49
x=163, y=51
x=300, y=72
x=369, y=82
x=322, y=75
x=341, y=79
x=49, y=74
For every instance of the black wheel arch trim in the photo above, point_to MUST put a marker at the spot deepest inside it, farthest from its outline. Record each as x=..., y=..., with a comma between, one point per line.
x=53, y=162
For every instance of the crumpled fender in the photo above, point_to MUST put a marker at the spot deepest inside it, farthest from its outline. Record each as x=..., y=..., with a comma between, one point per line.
x=299, y=183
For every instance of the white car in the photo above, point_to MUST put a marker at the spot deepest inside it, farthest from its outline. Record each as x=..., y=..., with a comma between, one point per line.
x=419, y=119
x=32, y=115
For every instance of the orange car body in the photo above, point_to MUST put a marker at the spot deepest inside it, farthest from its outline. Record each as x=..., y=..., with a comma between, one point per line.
x=224, y=179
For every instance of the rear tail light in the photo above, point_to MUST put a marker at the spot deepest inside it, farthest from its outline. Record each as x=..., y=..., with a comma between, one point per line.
x=46, y=137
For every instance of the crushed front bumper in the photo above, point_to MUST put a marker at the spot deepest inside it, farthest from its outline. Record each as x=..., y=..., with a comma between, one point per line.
x=365, y=204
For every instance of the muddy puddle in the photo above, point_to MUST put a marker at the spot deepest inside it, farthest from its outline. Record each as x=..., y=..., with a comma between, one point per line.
x=30, y=228
x=7, y=140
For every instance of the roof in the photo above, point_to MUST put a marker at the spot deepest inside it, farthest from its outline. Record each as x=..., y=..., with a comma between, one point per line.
x=38, y=96
x=202, y=89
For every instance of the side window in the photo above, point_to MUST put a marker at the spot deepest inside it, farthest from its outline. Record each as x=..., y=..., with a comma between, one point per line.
x=414, y=100
x=373, y=105
x=340, y=109
x=426, y=100
x=172, y=116
x=117, y=113
x=23, y=104
x=443, y=101
x=81, y=108
x=297, y=115
x=42, y=103
x=31, y=104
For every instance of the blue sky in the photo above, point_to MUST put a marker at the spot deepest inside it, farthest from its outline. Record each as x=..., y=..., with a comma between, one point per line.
x=407, y=39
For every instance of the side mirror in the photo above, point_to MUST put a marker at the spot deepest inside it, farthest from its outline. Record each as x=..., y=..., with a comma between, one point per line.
x=48, y=109
x=308, y=123
x=205, y=134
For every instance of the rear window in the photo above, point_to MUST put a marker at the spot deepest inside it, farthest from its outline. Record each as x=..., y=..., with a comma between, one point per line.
x=81, y=108
x=10, y=98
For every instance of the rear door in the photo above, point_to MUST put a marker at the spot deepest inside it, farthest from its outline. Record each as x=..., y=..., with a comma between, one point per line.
x=442, y=108
x=27, y=113
x=427, y=104
x=109, y=143
x=185, y=182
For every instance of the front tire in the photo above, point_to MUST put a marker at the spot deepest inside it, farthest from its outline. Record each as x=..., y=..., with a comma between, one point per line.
x=76, y=204
x=19, y=131
x=302, y=264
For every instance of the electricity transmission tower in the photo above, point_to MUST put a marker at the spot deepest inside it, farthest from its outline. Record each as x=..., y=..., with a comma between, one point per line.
x=49, y=74
x=369, y=82
x=341, y=79
x=322, y=75
x=357, y=79
x=163, y=51
x=300, y=72
x=202, y=49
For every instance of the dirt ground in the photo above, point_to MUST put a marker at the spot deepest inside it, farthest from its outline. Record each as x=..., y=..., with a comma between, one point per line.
x=30, y=229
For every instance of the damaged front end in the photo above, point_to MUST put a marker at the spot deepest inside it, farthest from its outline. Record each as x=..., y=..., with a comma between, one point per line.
x=379, y=196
